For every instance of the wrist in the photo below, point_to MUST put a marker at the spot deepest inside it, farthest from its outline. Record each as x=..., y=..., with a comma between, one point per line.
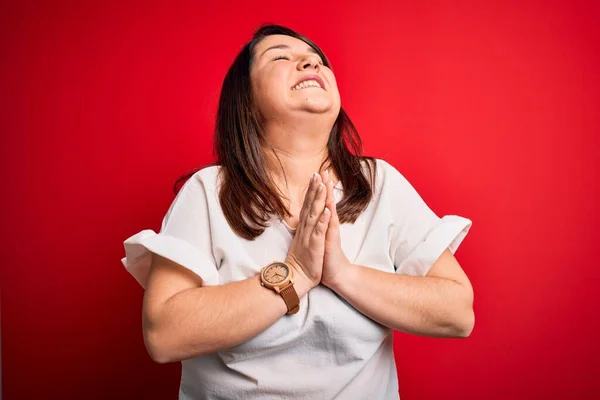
x=341, y=279
x=301, y=283
x=279, y=277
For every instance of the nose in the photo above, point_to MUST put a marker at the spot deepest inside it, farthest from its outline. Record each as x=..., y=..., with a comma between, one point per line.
x=309, y=61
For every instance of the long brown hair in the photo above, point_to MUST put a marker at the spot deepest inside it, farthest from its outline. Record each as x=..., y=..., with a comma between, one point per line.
x=248, y=197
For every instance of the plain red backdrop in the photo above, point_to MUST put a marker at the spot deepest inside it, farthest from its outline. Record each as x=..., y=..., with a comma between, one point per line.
x=490, y=109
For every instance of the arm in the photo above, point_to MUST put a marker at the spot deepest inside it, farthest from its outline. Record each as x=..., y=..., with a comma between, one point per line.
x=182, y=320
x=439, y=304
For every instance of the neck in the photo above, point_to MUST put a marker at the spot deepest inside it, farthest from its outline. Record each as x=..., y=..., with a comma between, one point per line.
x=301, y=148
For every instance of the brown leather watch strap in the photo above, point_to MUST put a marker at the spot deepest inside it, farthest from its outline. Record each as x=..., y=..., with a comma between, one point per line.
x=291, y=298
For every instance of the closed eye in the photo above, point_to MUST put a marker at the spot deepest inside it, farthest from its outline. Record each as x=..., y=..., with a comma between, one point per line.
x=287, y=58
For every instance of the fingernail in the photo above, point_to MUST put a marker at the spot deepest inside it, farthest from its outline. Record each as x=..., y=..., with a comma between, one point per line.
x=326, y=211
x=321, y=186
x=314, y=178
x=327, y=172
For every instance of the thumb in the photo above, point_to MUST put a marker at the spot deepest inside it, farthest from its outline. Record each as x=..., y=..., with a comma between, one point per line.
x=334, y=223
x=334, y=214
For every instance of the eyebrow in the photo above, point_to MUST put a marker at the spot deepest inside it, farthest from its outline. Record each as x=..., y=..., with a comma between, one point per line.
x=285, y=46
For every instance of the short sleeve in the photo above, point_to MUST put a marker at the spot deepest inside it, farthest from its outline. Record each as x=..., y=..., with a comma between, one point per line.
x=184, y=237
x=419, y=236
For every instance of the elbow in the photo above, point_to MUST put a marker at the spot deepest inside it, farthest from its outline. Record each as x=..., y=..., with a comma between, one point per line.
x=459, y=327
x=156, y=348
x=465, y=328
x=163, y=347
x=157, y=339
x=467, y=319
x=154, y=340
x=459, y=321
x=158, y=357
x=462, y=320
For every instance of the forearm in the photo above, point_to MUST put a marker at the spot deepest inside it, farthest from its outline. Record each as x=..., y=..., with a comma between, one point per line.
x=204, y=320
x=422, y=305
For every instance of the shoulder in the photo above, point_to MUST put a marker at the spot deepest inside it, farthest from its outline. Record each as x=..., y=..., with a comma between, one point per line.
x=387, y=170
x=206, y=178
x=198, y=188
x=387, y=176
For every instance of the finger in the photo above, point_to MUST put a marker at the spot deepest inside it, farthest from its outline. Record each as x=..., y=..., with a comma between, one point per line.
x=316, y=209
x=329, y=184
x=309, y=197
x=333, y=229
x=330, y=197
x=325, y=176
x=334, y=215
x=320, y=228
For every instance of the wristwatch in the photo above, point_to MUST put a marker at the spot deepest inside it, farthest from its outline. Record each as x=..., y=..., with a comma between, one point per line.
x=278, y=276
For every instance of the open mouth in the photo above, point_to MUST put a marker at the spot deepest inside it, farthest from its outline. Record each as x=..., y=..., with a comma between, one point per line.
x=309, y=81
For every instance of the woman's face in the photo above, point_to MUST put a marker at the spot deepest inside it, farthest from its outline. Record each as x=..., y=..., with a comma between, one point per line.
x=280, y=63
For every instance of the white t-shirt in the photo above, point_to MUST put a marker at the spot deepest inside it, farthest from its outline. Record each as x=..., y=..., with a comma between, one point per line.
x=328, y=350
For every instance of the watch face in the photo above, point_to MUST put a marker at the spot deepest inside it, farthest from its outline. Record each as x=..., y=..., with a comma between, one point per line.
x=276, y=273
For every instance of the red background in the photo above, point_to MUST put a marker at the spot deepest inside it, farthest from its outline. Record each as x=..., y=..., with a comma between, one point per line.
x=489, y=108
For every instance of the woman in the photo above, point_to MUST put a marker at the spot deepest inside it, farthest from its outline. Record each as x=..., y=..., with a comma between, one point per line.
x=282, y=271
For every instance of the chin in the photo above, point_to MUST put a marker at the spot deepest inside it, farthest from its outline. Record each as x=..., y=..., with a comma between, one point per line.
x=318, y=106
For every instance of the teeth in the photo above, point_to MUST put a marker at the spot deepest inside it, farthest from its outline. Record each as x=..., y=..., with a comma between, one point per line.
x=305, y=84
